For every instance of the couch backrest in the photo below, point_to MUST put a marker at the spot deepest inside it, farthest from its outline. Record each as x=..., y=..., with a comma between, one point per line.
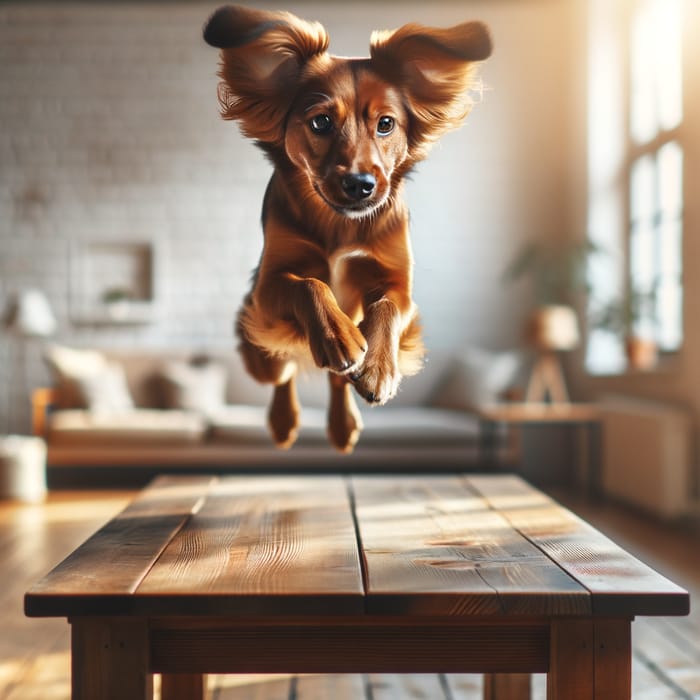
x=142, y=369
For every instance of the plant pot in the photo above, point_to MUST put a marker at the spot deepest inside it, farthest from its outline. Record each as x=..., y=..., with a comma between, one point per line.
x=641, y=353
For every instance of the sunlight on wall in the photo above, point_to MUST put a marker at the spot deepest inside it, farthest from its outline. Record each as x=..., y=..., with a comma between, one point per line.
x=635, y=178
x=606, y=138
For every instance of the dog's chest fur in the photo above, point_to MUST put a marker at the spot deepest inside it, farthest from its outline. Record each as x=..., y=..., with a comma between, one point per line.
x=343, y=266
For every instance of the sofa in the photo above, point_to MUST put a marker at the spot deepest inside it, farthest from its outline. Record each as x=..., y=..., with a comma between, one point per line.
x=177, y=411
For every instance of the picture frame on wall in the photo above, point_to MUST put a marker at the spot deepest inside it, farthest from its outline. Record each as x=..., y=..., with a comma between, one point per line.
x=113, y=282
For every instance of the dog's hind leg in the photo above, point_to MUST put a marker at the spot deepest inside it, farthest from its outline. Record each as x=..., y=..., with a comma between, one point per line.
x=344, y=420
x=283, y=414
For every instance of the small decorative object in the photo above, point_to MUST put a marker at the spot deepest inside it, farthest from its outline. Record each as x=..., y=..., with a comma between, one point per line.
x=551, y=329
x=558, y=274
x=630, y=319
x=118, y=302
x=113, y=282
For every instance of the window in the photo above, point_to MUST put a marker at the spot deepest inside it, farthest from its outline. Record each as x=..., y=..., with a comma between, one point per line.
x=635, y=179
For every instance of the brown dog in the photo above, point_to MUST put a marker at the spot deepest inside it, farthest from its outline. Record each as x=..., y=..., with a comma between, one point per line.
x=335, y=277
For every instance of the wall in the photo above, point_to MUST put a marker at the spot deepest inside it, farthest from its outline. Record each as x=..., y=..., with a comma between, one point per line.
x=109, y=130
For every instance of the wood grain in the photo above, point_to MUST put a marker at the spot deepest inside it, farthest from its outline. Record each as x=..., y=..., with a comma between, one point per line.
x=432, y=546
x=35, y=658
x=620, y=584
x=104, y=571
x=266, y=546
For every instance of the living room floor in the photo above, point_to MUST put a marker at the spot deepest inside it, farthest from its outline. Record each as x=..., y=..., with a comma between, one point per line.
x=34, y=653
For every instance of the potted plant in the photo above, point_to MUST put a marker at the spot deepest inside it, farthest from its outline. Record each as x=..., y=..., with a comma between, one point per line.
x=557, y=270
x=118, y=302
x=625, y=317
x=558, y=273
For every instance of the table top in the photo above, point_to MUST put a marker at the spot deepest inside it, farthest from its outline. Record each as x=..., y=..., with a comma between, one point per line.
x=413, y=546
x=536, y=412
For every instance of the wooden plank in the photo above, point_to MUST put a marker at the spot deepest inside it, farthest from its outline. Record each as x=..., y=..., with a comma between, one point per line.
x=218, y=646
x=433, y=547
x=620, y=584
x=261, y=546
x=675, y=662
x=534, y=412
x=99, y=576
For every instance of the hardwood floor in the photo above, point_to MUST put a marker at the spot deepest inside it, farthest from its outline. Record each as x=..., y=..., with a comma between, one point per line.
x=34, y=653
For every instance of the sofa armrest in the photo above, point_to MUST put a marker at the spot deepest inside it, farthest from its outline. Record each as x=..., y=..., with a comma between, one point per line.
x=42, y=400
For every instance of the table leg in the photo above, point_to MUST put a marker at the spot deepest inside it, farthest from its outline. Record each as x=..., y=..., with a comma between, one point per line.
x=183, y=686
x=590, y=660
x=109, y=659
x=613, y=659
x=507, y=686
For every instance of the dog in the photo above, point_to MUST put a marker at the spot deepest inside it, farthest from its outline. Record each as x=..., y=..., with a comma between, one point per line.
x=334, y=282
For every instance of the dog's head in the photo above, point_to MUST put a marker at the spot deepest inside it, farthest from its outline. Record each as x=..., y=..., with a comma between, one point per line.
x=350, y=127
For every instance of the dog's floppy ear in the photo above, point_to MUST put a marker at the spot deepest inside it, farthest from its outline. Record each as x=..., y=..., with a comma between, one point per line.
x=435, y=68
x=262, y=56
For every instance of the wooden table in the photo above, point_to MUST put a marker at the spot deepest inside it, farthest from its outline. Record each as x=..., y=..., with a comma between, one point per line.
x=343, y=575
x=584, y=416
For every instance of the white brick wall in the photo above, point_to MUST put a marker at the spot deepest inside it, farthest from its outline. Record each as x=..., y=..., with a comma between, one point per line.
x=109, y=130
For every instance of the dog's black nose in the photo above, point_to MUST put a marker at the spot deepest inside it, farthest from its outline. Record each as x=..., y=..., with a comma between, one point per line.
x=358, y=186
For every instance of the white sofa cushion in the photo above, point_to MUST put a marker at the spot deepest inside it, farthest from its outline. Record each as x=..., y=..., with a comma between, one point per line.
x=194, y=386
x=403, y=426
x=384, y=426
x=139, y=426
x=246, y=424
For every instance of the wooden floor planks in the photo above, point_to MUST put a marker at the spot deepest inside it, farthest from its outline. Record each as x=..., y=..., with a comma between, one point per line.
x=34, y=657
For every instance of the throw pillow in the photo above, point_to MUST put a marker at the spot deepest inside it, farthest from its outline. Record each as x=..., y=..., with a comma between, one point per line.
x=194, y=386
x=476, y=377
x=86, y=379
x=106, y=391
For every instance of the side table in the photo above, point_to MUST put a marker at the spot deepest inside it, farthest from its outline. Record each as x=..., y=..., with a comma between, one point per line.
x=584, y=416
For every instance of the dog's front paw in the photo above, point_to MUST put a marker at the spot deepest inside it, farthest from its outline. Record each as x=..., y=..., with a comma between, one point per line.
x=377, y=382
x=339, y=345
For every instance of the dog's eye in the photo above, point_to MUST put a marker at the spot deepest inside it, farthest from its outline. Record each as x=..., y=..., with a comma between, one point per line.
x=321, y=124
x=385, y=125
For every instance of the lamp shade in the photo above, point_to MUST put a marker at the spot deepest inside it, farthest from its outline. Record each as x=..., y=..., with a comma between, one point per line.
x=29, y=314
x=554, y=328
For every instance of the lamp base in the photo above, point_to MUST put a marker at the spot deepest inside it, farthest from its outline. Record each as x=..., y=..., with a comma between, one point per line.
x=547, y=378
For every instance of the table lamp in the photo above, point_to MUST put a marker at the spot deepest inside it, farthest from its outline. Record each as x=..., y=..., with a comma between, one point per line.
x=551, y=329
